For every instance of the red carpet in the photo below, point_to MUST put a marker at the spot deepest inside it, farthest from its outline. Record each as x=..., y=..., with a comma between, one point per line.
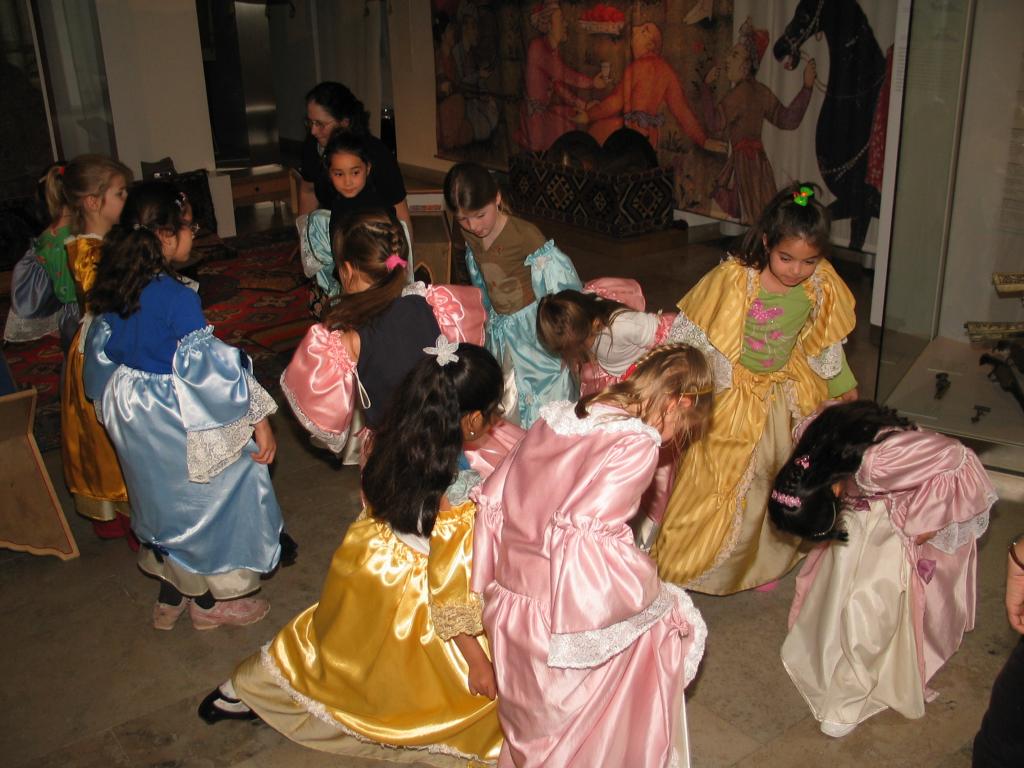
x=254, y=294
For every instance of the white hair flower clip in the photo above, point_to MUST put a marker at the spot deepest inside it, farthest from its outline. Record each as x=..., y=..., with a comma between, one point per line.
x=444, y=351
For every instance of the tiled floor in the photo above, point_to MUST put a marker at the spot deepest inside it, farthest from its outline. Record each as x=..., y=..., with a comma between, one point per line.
x=88, y=683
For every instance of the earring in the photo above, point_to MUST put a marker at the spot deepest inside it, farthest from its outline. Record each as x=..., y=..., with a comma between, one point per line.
x=472, y=433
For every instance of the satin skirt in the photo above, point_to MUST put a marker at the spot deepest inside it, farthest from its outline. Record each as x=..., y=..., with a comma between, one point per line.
x=716, y=537
x=231, y=523
x=627, y=711
x=91, y=467
x=852, y=651
x=366, y=662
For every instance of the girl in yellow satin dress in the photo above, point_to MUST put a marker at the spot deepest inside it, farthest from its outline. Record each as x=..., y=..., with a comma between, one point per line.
x=393, y=653
x=771, y=322
x=94, y=189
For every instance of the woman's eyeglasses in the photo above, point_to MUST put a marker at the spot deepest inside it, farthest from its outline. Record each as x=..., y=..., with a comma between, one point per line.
x=318, y=124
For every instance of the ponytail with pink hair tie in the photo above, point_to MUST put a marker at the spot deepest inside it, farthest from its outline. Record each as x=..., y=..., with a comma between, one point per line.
x=394, y=260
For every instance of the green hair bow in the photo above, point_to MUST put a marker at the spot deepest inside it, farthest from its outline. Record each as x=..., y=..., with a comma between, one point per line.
x=801, y=196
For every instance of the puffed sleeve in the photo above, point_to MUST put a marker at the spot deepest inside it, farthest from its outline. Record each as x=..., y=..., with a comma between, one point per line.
x=458, y=309
x=937, y=486
x=454, y=608
x=621, y=289
x=320, y=385
x=832, y=320
x=603, y=589
x=219, y=399
x=98, y=367
x=551, y=270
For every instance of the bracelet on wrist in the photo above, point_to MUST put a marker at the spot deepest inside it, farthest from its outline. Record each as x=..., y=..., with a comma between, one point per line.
x=1013, y=550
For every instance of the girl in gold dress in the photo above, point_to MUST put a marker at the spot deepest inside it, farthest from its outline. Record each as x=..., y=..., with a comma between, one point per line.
x=771, y=321
x=94, y=189
x=393, y=652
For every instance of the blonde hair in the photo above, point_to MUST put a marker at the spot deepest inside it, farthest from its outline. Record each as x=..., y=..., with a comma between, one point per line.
x=659, y=378
x=69, y=185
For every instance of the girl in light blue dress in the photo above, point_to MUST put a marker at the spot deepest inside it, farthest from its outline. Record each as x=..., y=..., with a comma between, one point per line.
x=188, y=421
x=513, y=265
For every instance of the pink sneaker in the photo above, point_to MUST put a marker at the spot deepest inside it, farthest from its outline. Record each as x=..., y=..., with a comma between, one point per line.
x=235, y=613
x=166, y=616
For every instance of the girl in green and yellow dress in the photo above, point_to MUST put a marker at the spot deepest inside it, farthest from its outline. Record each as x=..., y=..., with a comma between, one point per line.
x=771, y=321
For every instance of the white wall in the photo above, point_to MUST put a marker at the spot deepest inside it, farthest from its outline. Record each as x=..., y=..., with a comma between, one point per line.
x=155, y=80
x=977, y=244
x=157, y=91
x=412, y=70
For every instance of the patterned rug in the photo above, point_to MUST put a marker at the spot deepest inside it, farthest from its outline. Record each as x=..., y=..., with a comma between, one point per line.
x=253, y=293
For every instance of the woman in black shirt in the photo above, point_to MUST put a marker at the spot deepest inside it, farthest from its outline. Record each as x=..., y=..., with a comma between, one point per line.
x=332, y=107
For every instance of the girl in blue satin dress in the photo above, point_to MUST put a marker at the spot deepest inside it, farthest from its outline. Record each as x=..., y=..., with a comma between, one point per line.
x=188, y=421
x=513, y=265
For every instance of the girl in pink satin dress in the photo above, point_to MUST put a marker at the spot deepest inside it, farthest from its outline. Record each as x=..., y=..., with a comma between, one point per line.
x=372, y=335
x=599, y=333
x=884, y=601
x=591, y=649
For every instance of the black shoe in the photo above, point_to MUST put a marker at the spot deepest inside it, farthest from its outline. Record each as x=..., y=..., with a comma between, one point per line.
x=211, y=713
x=289, y=550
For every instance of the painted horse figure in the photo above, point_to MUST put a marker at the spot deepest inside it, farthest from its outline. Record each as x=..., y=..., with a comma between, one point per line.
x=856, y=74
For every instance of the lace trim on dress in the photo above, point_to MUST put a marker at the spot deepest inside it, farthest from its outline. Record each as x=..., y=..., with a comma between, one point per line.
x=320, y=712
x=829, y=362
x=685, y=331
x=418, y=288
x=451, y=618
x=459, y=490
x=332, y=441
x=956, y=535
x=209, y=452
x=735, y=525
x=697, y=629
x=591, y=648
x=561, y=417
x=21, y=329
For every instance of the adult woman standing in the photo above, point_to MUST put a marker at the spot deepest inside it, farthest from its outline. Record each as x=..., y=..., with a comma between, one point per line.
x=332, y=107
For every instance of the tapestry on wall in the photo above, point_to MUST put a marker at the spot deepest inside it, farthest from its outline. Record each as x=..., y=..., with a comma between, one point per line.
x=737, y=97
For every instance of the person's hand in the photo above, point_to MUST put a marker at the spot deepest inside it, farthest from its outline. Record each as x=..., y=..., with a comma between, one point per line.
x=599, y=81
x=712, y=76
x=810, y=74
x=580, y=117
x=1015, y=591
x=716, y=145
x=481, y=679
x=850, y=396
x=265, y=442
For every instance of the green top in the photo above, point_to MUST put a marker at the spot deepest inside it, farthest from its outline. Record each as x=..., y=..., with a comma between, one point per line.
x=49, y=247
x=771, y=329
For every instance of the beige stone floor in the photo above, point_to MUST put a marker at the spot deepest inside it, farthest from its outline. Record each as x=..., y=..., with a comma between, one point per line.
x=88, y=684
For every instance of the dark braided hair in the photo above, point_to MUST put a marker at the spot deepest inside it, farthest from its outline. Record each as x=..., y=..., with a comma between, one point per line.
x=831, y=449
x=785, y=218
x=132, y=254
x=365, y=240
x=416, y=450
